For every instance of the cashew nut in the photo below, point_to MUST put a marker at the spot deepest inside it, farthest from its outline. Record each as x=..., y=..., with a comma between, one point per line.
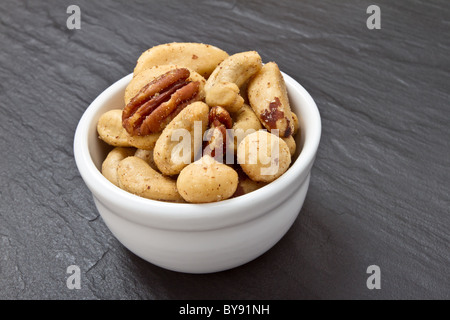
x=202, y=58
x=225, y=94
x=136, y=176
x=171, y=161
x=263, y=156
x=207, y=180
x=237, y=69
x=222, y=87
x=144, y=142
x=110, y=130
x=110, y=164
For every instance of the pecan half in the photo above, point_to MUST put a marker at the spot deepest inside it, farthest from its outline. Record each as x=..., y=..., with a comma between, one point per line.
x=219, y=116
x=158, y=102
x=217, y=139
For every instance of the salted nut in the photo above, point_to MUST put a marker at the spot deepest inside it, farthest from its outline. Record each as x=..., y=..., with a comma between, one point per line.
x=207, y=180
x=200, y=125
x=246, y=185
x=158, y=102
x=269, y=99
x=218, y=116
x=223, y=86
x=109, y=166
x=236, y=69
x=170, y=154
x=147, y=156
x=110, y=130
x=137, y=177
x=217, y=138
x=245, y=122
x=292, y=145
x=263, y=156
x=200, y=57
x=225, y=94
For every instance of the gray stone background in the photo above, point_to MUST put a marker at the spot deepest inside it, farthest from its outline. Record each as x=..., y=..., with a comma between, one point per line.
x=379, y=192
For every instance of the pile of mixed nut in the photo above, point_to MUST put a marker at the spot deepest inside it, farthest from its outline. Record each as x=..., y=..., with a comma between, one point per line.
x=199, y=125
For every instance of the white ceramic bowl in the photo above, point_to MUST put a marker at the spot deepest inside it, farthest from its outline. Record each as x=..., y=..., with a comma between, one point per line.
x=198, y=238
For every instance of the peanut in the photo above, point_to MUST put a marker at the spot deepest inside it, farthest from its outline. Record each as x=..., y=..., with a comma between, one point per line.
x=207, y=180
x=263, y=156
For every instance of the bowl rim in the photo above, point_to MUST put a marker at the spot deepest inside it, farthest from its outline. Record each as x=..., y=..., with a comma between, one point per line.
x=188, y=216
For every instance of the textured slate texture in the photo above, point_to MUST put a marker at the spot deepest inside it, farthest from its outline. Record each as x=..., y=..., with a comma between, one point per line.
x=379, y=192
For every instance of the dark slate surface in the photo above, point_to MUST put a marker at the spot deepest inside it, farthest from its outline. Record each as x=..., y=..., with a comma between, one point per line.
x=379, y=192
